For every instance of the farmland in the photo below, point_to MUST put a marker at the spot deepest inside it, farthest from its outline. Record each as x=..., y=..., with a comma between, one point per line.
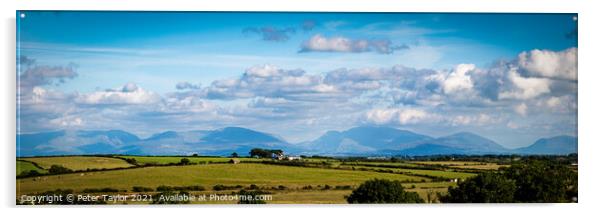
x=162, y=160
x=79, y=162
x=310, y=180
x=26, y=166
x=207, y=175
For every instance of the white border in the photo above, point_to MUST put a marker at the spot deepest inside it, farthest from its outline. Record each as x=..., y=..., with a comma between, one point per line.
x=589, y=101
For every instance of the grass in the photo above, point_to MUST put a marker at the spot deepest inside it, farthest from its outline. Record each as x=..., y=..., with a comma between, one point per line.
x=462, y=164
x=25, y=166
x=206, y=175
x=79, y=162
x=434, y=173
x=176, y=159
x=486, y=166
x=447, y=163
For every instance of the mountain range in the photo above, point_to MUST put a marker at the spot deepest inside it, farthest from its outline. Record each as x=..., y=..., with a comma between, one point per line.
x=357, y=141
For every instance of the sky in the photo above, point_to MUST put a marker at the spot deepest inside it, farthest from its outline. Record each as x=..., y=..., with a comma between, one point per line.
x=509, y=77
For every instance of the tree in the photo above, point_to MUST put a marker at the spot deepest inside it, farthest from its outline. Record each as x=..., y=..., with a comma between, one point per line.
x=383, y=191
x=483, y=188
x=184, y=161
x=58, y=169
x=264, y=153
x=543, y=181
x=234, y=155
x=535, y=180
x=131, y=161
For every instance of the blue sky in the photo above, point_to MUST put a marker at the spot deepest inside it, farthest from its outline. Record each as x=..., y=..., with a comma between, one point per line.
x=509, y=77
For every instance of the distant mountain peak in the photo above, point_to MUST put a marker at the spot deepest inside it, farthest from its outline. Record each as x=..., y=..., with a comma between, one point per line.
x=361, y=141
x=562, y=145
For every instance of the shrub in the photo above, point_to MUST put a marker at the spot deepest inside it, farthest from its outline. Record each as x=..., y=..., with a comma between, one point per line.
x=307, y=187
x=483, y=188
x=343, y=187
x=100, y=190
x=141, y=189
x=58, y=169
x=220, y=187
x=30, y=173
x=383, y=191
x=163, y=188
x=184, y=161
x=131, y=161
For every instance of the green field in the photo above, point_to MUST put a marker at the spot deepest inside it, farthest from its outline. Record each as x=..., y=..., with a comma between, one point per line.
x=27, y=166
x=79, y=162
x=161, y=160
x=205, y=175
x=434, y=173
x=463, y=164
x=210, y=171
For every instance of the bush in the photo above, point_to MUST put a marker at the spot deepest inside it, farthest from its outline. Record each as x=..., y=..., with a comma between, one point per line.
x=483, y=188
x=220, y=187
x=131, y=161
x=100, y=190
x=307, y=187
x=141, y=189
x=343, y=187
x=383, y=191
x=184, y=161
x=164, y=188
x=30, y=173
x=58, y=169
x=543, y=181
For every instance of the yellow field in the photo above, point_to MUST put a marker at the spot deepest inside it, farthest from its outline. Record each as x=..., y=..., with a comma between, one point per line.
x=79, y=162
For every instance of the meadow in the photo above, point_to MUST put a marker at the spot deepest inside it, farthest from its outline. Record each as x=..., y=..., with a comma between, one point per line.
x=80, y=162
x=162, y=160
x=26, y=166
x=311, y=180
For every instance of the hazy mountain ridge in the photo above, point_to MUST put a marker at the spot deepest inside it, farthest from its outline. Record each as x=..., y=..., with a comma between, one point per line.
x=364, y=140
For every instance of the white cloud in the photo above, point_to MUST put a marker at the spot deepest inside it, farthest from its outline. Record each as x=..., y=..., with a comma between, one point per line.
x=546, y=63
x=396, y=116
x=319, y=43
x=45, y=75
x=521, y=109
x=526, y=87
x=560, y=104
x=459, y=79
x=553, y=102
x=130, y=93
x=187, y=85
x=481, y=119
x=67, y=121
